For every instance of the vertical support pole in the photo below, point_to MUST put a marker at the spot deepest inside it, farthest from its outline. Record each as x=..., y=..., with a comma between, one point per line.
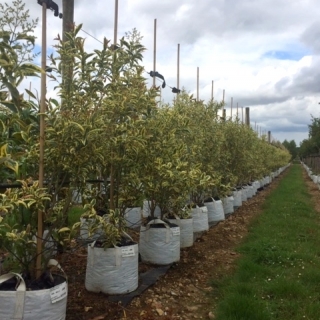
x=269, y=136
x=68, y=17
x=178, y=67
x=115, y=76
x=43, y=92
x=212, y=86
x=41, y=136
x=248, y=116
x=154, y=49
x=115, y=29
x=197, y=83
x=223, y=96
x=231, y=106
x=67, y=26
x=242, y=114
x=237, y=111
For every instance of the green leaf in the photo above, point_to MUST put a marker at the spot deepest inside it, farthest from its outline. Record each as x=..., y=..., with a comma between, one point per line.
x=30, y=94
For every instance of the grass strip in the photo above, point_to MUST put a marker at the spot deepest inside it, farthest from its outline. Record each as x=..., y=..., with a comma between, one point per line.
x=74, y=215
x=278, y=273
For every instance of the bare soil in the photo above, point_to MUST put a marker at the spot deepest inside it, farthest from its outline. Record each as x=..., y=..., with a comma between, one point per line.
x=184, y=291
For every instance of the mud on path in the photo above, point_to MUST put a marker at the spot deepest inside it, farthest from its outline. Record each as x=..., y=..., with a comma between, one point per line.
x=183, y=292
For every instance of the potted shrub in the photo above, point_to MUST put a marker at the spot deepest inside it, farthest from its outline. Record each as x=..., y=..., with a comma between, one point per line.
x=215, y=210
x=41, y=293
x=203, y=141
x=165, y=175
x=112, y=263
x=180, y=215
x=199, y=195
x=159, y=242
x=237, y=195
x=44, y=296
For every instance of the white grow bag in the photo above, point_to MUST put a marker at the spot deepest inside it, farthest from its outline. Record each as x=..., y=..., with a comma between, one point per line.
x=133, y=217
x=314, y=178
x=186, y=231
x=200, y=219
x=249, y=190
x=256, y=186
x=159, y=245
x=244, y=194
x=112, y=270
x=48, y=304
x=262, y=182
x=254, y=189
x=228, y=205
x=215, y=211
x=237, y=198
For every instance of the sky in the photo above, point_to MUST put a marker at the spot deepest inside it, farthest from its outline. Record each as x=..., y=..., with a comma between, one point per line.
x=265, y=54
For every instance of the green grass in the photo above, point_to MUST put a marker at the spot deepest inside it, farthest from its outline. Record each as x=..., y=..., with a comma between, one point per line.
x=74, y=214
x=278, y=274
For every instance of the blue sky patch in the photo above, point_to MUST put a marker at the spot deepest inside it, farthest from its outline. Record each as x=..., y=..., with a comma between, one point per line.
x=37, y=49
x=285, y=55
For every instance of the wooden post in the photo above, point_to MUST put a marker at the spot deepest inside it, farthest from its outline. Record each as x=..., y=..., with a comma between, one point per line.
x=224, y=115
x=43, y=92
x=223, y=96
x=41, y=135
x=68, y=17
x=178, y=67
x=248, y=116
x=212, y=84
x=67, y=63
x=115, y=29
x=231, y=106
x=197, y=83
x=242, y=114
x=269, y=136
x=237, y=111
x=154, y=49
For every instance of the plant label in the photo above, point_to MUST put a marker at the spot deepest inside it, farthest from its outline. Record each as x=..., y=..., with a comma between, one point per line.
x=127, y=252
x=176, y=231
x=58, y=292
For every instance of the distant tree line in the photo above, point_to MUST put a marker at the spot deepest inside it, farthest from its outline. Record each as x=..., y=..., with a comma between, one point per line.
x=311, y=146
x=291, y=147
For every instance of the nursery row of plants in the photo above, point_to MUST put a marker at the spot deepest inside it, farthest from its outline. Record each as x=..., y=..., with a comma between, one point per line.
x=309, y=148
x=313, y=175
x=105, y=125
x=313, y=162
